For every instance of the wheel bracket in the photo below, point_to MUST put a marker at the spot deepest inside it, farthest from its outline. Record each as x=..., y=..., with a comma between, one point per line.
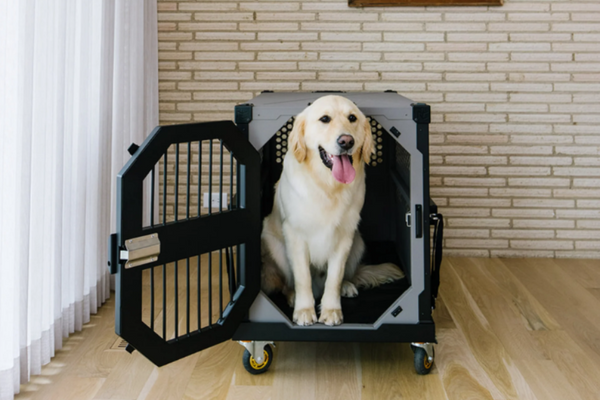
x=256, y=349
x=428, y=347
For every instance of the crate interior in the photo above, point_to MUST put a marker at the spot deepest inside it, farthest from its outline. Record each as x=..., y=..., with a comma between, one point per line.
x=382, y=226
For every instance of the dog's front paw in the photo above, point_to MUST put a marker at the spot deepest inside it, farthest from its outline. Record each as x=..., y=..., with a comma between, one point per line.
x=348, y=289
x=305, y=316
x=331, y=317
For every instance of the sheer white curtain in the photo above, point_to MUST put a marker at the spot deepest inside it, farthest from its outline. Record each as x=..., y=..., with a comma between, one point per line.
x=78, y=84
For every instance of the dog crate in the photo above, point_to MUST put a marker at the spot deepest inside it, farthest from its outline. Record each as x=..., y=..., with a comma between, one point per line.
x=187, y=252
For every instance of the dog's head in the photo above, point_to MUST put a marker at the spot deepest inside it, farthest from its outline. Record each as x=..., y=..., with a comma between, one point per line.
x=334, y=132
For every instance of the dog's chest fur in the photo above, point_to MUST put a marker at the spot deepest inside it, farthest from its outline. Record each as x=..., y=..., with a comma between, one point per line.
x=321, y=216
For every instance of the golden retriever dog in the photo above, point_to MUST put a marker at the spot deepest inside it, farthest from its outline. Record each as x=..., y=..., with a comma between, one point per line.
x=310, y=242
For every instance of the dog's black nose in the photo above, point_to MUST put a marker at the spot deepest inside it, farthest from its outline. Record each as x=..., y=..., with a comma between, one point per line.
x=345, y=142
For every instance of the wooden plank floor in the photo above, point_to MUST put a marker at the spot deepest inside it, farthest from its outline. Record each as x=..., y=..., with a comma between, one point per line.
x=507, y=329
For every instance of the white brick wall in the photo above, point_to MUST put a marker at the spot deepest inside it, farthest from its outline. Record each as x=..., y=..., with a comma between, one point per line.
x=514, y=90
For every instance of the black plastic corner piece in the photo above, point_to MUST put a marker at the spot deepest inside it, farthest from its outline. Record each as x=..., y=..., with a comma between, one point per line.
x=421, y=113
x=243, y=117
x=133, y=148
x=243, y=114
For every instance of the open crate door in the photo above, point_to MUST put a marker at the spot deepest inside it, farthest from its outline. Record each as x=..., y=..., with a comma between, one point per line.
x=186, y=275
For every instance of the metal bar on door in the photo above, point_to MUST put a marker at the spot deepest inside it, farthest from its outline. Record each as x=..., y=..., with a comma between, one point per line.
x=176, y=277
x=164, y=270
x=199, y=261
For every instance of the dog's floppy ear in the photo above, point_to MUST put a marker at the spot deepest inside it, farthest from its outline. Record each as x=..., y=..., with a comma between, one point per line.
x=368, y=146
x=296, y=138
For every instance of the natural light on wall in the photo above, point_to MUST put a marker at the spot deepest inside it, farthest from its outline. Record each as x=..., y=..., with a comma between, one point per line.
x=78, y=84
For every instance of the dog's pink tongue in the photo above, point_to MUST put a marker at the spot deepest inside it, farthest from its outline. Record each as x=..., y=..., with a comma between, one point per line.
x=343, y=171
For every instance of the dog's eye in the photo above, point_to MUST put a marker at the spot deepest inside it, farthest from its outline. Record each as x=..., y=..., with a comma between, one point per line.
x=325, y=119
x=352, y=118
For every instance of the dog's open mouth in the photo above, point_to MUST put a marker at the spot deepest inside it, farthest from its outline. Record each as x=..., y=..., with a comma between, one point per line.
x=340, y=166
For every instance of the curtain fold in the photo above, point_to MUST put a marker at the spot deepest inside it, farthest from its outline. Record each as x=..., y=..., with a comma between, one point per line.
x=78, y=84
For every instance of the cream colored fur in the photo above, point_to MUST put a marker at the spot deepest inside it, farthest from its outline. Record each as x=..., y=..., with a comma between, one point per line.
x=311, y=245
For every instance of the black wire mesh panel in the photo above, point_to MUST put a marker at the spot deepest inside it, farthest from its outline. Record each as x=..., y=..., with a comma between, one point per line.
x=191, y=180
x=189, y=295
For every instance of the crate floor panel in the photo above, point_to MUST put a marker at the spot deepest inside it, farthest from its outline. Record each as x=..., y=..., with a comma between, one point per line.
x=370, y=304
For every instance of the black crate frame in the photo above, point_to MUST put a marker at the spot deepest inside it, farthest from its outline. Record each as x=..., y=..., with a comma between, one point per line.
x=424, y=330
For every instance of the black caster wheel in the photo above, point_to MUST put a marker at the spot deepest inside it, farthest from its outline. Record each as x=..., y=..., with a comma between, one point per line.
x=422, y=364
x=252, y=366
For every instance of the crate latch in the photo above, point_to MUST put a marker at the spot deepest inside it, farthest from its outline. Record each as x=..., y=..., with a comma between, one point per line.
x=141, y=250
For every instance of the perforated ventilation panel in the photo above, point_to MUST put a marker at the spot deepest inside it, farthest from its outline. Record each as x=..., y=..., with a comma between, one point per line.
x=377, y=131
x=281, y=141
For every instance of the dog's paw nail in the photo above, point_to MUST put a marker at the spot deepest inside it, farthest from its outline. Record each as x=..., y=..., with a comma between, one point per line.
x=331, y=317
x=305, y=317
